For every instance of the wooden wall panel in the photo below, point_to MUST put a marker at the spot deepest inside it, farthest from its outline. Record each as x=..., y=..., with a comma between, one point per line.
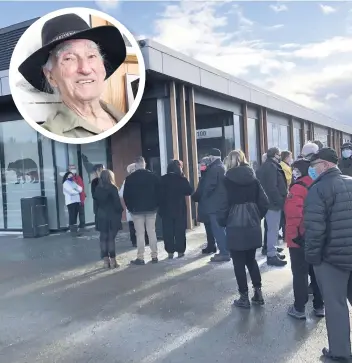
x=173, y=106
x=126, y=145
x=245, y=130
x=265, y=129
x=261, y=133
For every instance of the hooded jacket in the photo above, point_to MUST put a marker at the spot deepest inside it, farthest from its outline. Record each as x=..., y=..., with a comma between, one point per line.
x=243, y=208
x=294, y=209
x=109, y=208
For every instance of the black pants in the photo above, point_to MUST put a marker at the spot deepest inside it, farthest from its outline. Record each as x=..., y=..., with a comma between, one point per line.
x=73, y=210
x=240, y=260
x=174, y=231
x=210, y=236
x=133, y=234
x=300, y=270
x=265, y=242
x=107, y=243
x=81, y=216
x=283, y=224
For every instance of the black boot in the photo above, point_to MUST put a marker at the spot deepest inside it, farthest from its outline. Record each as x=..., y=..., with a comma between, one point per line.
x=258, y=296
x=243, y=301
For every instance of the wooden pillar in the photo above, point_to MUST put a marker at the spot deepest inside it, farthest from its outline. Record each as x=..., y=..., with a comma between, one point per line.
x=193, y=143
x=185, y=150
x=245, y=129
x=173, y=106
x=311, y=131
x=261, y=133
x=265, y=129
x=291, y=136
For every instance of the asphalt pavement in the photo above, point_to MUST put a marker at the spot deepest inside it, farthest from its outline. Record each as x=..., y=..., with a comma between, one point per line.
x=58, y=305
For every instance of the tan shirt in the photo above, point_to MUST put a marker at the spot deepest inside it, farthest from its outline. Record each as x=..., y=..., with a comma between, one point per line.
x=65, y=122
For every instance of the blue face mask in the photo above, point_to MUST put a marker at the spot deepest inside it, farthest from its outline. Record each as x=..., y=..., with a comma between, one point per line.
x=312, y=173
x=70, y=178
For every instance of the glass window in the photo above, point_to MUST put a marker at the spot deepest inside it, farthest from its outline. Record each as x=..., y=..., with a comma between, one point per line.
x=253, y=149
x=93, y=153
x=283, y=138
x=49, y=180
x=22, y=168
x=297, y=141
x=237, y=131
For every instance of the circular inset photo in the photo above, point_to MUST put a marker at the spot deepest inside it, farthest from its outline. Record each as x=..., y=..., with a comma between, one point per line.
x=77, y=75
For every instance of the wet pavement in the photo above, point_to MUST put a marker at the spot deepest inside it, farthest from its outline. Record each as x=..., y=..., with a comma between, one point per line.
x=59, y=306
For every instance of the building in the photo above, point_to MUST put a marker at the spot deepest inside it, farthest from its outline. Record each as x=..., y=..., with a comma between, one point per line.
x=187, y=108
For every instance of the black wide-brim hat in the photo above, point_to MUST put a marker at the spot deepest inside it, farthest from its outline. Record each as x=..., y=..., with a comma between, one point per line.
x=69, y=27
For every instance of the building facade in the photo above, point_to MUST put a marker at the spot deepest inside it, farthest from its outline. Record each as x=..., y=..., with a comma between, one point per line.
x=187, y=108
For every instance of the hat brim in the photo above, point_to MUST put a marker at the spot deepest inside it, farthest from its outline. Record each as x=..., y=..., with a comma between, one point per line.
x=109, y=39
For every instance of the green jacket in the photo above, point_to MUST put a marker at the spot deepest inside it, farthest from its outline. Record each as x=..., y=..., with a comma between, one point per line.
x=64, y=122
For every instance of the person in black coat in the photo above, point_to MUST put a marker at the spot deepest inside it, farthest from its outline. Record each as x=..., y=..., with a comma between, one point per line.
x=174, y=187
x=328, y=246
x=108, y=214
x=243, y=209
x=202, y=215
x=98, y=168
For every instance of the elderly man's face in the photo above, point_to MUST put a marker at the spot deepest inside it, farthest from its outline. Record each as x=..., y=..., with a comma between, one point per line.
x=78, y=71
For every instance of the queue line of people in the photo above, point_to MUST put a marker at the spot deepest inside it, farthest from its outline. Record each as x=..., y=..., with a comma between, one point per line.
x=310, y=196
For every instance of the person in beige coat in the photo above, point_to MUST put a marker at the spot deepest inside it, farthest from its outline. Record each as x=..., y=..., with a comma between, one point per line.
x=74, y=62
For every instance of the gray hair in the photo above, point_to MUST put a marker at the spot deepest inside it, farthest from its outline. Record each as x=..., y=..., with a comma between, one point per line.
x=131, y=168
x=56, y=52
x=140, y=163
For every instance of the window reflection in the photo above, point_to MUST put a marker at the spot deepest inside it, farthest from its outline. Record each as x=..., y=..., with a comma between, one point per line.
x=253, y=149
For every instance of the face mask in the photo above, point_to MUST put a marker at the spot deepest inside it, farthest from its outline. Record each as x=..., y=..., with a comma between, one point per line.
x=74, y=171
x=70, y=178
x=312, y=173
x=296, y=174
x=347, y=153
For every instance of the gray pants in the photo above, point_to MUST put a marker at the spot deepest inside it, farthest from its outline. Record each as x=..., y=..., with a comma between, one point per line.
x=273, y=218
x=336, y=287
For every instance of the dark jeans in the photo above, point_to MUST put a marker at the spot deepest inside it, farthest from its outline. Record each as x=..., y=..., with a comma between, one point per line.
x=81, y=216
x=240, y=260
x=300, y=270
x=107, y=243
x=174, y=233
x=265, y=242
x=133, y=234
x=219, y=234
x=210, y=236
x=283, y=224
x=73, y=210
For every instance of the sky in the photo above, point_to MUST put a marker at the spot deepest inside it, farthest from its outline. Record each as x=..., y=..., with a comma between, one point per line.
x=298, y=50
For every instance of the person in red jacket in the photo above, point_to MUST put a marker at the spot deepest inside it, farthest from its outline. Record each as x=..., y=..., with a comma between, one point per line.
x=78, y=180
x=294, y=238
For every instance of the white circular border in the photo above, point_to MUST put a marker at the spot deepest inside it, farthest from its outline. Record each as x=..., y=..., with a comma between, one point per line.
x=142, y=75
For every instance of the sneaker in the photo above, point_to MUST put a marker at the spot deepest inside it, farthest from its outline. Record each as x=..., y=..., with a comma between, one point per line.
x=275, y=261
x=220, y=258
x=327, y=354
x=208, y=251
x=243, y=301
x=279, y=249
x=319, y=313
x=137, y=261
x=257, y=298
x=296, y=314
x=106, y=262
x=281, y=257
x=180, y=255
x=113, y=263
x=155, y=260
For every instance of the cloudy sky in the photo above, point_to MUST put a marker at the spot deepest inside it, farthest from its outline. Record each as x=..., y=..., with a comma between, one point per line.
x=299, y=50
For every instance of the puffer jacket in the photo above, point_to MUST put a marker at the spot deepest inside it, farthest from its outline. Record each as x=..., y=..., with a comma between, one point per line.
x=328, y=220
x=294, y=210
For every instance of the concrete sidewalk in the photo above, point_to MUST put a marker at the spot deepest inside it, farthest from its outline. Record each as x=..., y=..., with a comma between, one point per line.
x=58, y=305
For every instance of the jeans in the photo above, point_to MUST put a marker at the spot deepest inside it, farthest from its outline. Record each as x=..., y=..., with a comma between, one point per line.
x=107, y=243
x=174, y=232
x=240, y=260
x=300, y=269
x=142, y=223
x=73, y=210
x=210, y=236
x=81, y=216
x=273, y=218
x=219, y=235
x=133, y=234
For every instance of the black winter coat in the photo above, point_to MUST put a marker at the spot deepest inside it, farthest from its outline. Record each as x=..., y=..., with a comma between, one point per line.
x=243, y=209
x=203, y=217
x=173, y=190
x=213, y=189
x=93, y=186
x=345, y=165
x=109, y=208
x=273, y=180
x=141, y=192
x=328, y=220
